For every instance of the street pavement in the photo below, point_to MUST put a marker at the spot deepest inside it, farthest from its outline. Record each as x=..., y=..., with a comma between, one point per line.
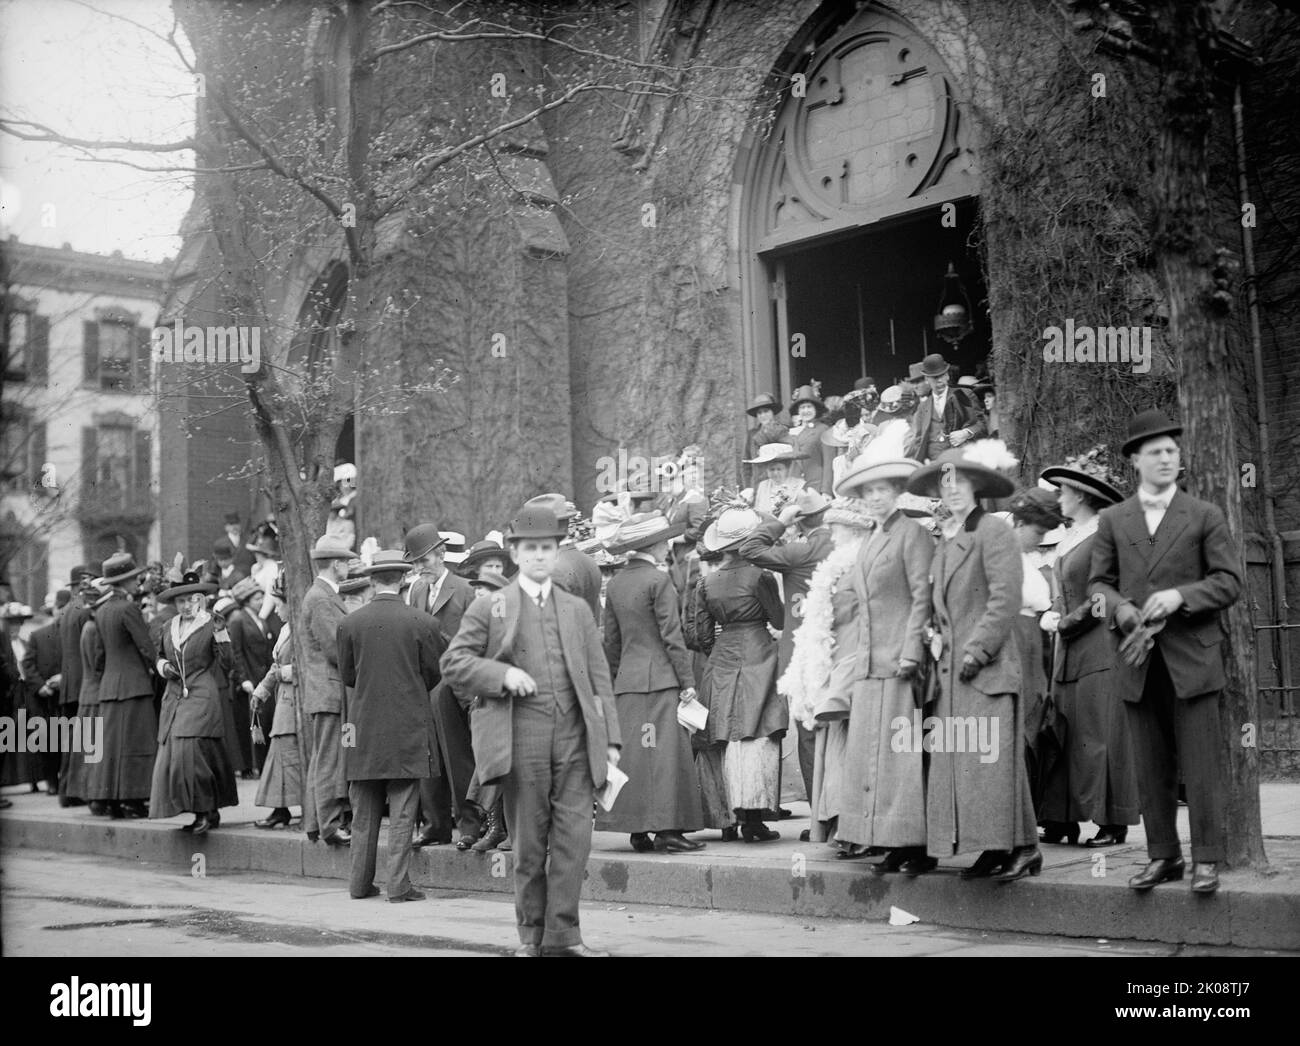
x=59, y=904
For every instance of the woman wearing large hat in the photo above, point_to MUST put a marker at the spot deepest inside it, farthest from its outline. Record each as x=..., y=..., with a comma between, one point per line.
x=807, y=410
x=1095, y=776
x=977, y=799
x=764, y=409
x=746, y=714
x=774, y=461
x=883, y=802
x=193, y=772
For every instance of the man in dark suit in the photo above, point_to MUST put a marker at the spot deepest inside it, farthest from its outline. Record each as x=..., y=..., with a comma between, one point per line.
x=251, y=642
x=1165, y=565
x=70, y=625
x=545, y=721
x=125, y=774
x=946, y=418
x=795, y=561
x=444, y=596
x=575, y=571
x=41, y=667
x=322, y=693
x=388, y=658
x=241, y=557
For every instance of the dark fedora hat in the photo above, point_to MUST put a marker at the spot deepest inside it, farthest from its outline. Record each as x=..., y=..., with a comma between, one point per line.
x=120, y=567
x=763, y=401
x=536, y=521
x=934, y=365
x=422, y=539
x=1148, y=425
x=1062, y=476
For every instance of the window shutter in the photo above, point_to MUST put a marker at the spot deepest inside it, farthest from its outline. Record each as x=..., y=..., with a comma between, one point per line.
x=90, y=352
x=89, y=460
x=140, y=380
x=36, y=458
x=38, y=349
x=143, y=463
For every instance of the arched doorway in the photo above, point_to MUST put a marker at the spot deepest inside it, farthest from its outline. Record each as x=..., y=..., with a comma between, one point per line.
x=852, y=207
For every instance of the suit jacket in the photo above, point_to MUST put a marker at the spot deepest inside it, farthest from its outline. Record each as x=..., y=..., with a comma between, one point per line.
x=795, y=562
x=643, y=632
x=92, y=664
x=577, y=573
x=129, y=652
x=959, y=412
x=892, y=582
x=1083, y=645
x=251, y=643
x=43, y=659
x=319, y=616
x=75, y=616
x=447, y=610
x=1191, y=551
x=815, y=470
x=477, y=660
x=388, y=658
x=977, y=577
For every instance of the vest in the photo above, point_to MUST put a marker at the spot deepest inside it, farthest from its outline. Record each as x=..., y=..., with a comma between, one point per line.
x=538, y=652
x=938, y=427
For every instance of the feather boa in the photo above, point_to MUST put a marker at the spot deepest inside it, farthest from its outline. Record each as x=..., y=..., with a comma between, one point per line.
x=809, y=671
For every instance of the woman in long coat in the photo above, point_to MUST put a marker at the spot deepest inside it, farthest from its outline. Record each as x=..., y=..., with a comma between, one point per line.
x=194, y=772
x=814, y=463
x=93, y=659
x=745, y=711
x=1096, y=777
x=884, y=790
x=280, y=785
x=977, y=795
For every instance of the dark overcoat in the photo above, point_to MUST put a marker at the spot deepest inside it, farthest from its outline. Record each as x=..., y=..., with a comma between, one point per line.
x=320, y=614
x=129, y=652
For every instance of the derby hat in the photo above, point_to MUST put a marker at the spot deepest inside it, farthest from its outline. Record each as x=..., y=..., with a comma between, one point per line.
x=455, y=550
x=422, y=539
x=563, y=508
x=190, y=582
x=244, y=590
x=1148, y=425
x=536, y=522
x=83, y=572
x=883, y=458
x=329, y=547
x=642, y=531
x=769, y=453
x=385, y=561
x=978, y=461
x=232, y=519
x=120, y=567
x=933, y=365
x=805, y=394
x=731, y=527
x=763, y=401
x=1061, y=476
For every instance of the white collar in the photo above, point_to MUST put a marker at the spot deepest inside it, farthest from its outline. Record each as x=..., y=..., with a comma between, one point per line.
x=533, y=589
x=182, y=632
x=1076, y=535
x=1164, y=499
x=643, y=555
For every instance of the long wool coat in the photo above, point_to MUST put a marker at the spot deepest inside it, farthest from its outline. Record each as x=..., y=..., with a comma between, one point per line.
x=974, y=802
x=195, y=707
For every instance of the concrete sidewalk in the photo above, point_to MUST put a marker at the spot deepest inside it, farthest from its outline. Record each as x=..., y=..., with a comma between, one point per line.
x=1081, y=892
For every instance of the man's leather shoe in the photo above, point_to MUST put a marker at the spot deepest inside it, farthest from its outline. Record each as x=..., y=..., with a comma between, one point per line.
x=1205, y=877
x=430, y=838
x=340, y=838
x=528, y=951
x=990, y=862
x=1161, y=870
x=371, y=891
x=1109, y=835
x=411, y=895
x=641, y=842
x=576, y=951
x=675, y=843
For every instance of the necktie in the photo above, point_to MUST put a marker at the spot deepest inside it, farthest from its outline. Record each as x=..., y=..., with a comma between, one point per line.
x=1152, y=504
x=541, y=601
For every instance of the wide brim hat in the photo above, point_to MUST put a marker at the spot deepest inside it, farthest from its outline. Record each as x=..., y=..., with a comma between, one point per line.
x=644, y=530
x=190, y=582
x=882, y=458
x=770, y=453
x=121, y=567
x=563, y=508
x=934, y=365
x=482, y=550
x=849, y=512
x=805, y=394
x=244, y=589
x=422, y=539
x=1060, y=475
x=536, y=522
x=330, y=547
x=731, y=527
x=763, y=401
x=1148, y=425
x=810, y=502
x=16, y=612
x=988, y=482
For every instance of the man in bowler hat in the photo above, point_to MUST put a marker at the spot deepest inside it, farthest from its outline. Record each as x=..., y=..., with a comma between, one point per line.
x=545, y=722
x=1165, y=566
x=944, y=418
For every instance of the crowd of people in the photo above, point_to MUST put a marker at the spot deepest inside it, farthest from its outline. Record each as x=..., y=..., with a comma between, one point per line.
x=954, y=679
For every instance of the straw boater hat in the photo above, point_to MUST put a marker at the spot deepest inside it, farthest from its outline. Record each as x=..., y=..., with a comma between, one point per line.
x=224, y=605
x=763, y=401
x=805, y=394
x=769, y=453
x=883, y=458
x=1145, y=426
x=980, y=461
x=967, y=381
x=15, y=612
x=120, y=567
x=190, y=582
x=330, y=547
x=730, y=529
x=1076, y=479
x=642, y=531
x=455, y=552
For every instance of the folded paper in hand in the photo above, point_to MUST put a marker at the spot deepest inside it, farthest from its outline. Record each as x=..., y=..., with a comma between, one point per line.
x=615, y=779
x=692, y=715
